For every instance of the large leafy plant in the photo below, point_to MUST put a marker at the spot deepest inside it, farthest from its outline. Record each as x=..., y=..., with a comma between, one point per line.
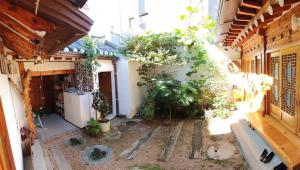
x=154, y=53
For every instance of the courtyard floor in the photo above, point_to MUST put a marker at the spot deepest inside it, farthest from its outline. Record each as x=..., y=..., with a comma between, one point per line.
x=61, y=156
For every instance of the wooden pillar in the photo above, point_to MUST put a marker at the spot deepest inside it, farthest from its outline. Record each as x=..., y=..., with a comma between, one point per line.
x=265, y=69
x=242, y=63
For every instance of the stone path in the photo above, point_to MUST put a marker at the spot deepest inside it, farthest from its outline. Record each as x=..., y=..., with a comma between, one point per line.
x=131, y=152
x=166, y=153
x=196, y=140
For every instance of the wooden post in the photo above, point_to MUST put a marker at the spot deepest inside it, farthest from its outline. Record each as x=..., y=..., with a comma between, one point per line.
x=27, y=104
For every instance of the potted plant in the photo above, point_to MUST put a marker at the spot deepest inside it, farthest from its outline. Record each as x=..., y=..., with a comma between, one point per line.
x=100, y=104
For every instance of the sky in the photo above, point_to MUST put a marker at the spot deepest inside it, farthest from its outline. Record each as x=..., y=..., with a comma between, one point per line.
x=163, y=15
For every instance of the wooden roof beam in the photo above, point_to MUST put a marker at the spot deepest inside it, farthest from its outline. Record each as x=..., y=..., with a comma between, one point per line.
x=25, y=17
x=237, y=27
x=241, y=17
x=257, y=4
x=234, y=31
x=13, y=41
x=240, y=23
x=19, y=29
x=232, y=34
x=246, y=11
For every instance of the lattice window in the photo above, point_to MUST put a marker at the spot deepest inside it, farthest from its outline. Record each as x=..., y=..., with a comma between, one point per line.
x=275, y=87
x=253, y=66
x=288, y=83
x=258, y=66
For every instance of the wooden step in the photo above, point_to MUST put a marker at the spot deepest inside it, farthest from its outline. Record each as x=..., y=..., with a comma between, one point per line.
x=285, y=144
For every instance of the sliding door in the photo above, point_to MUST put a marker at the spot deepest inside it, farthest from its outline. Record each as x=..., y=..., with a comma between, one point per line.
x=284, y=68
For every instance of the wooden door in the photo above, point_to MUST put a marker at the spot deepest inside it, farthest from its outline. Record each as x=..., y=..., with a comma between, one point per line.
x=289, y=92
x=275, y=71
x=105, y=85
x=36, y=99
x=42, y=93
x=48, y=93
x=6, y=158
x=284, y=103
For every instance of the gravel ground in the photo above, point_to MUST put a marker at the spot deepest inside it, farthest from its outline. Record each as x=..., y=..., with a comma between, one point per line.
x=149, y=153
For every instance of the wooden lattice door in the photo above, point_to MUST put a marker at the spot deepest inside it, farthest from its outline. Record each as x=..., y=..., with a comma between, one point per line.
x=275, y=90
x=289, y=92
x=284, y=68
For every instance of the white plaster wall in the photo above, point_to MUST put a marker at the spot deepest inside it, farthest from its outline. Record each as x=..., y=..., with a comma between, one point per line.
x=49, y=66
x=124, y=93
x=11, y=121
x=137, y=93
x=130, y=95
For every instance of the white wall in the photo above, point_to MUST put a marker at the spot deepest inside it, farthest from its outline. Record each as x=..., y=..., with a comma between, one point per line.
x=11, y=121
x=130, y=95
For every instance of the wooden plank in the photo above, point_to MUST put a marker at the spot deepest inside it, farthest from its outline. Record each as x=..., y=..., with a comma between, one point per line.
x=166, y=153
x=25, y=17
x=284, y=143
x=196, y=140
x=51, y=72
x=131, y=152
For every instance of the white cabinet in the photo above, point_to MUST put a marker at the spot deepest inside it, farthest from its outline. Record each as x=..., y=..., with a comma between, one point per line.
x=78, y=108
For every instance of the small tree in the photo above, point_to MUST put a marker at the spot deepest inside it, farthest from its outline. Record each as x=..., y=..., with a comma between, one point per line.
x=100, y=104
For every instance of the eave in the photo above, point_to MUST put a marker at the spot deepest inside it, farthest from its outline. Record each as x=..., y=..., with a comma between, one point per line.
x=56, y=24
x=241, y=26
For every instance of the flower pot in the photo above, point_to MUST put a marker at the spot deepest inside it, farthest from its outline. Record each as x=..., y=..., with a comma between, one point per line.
x=104, y=125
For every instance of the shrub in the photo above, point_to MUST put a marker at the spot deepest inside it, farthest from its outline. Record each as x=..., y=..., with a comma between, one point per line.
x=93, y=127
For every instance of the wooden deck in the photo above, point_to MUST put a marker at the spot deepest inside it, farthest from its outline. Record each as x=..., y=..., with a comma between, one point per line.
x=285, y=144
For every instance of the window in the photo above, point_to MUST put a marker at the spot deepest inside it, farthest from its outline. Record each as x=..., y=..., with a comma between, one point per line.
x=142, y=8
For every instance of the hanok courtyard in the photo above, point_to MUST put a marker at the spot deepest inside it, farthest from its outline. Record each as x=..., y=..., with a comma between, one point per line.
x=149, y=85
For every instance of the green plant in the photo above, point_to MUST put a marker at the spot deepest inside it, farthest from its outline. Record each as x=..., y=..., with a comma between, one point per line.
x=93, y=127
x=75, y=141
x=154, y=53
x=101, y=104
x=147, y=109
x=97, y=154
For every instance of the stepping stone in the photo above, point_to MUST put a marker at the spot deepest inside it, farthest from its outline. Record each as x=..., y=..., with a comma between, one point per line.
x=221, y=151
x=131, y=152
x=196, y=140
x=59, y=158
x=123, y=128
x=112, y=136
x=166, y=153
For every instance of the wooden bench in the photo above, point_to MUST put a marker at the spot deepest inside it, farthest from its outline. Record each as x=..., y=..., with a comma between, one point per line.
x=285, y=144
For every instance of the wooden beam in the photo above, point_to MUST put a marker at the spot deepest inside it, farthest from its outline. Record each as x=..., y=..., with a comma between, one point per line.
x=241, y=17
x=233, y=34
x=18, y=28
x=25, y=17
x=234, y=31
x=237, y=27
x=16, y=43
x=246, y=11
x=52, y=72
x=257, y=4
x=241, y=23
